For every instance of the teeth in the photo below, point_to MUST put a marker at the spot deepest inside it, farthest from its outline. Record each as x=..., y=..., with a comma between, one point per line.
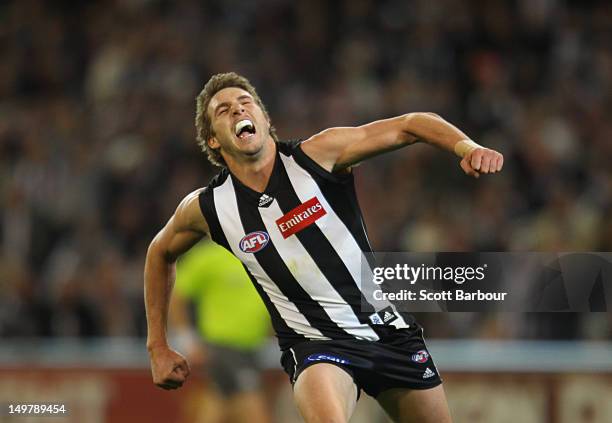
x=242, y=124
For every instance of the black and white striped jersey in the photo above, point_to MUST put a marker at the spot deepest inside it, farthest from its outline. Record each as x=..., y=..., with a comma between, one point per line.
x=301, y=242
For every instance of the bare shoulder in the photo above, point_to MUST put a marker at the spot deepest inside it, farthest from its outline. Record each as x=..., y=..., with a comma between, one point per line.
x=325, y=146
x=188, y=215
x=183, y=230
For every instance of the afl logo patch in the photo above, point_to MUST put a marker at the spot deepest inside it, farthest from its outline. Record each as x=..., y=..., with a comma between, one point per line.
x=420, y=356
x=254, y=242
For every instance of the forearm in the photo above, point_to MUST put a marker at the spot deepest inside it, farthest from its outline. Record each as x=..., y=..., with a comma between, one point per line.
x=158, y=279
x=435, y=130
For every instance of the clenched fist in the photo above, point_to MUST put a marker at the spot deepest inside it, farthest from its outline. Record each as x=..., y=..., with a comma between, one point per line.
x=169, y=368
x=482, y=160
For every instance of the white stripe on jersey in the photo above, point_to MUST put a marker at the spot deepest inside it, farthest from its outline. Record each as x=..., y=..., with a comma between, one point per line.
x=308, y=274
x=229, y=218
x=333, y=228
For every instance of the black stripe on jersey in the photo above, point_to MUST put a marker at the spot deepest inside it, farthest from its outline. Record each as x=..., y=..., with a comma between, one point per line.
x=324, y=254
x=271, y=261
x=339, y=190
x=287, y=337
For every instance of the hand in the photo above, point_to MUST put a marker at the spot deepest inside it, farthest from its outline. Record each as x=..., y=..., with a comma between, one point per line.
x=482, y=160
x=192, y=346
x=169, y=368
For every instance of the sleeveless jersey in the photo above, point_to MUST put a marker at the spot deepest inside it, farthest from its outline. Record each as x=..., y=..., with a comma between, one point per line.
x=301, y=242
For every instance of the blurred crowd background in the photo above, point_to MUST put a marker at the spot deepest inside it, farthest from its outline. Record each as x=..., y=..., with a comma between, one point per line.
x=97, y=141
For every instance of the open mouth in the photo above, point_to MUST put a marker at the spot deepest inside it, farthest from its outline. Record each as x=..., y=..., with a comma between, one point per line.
x=244, y=129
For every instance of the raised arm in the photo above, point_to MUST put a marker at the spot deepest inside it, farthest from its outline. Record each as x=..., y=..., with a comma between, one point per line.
x=339, y=148
x=185, y=228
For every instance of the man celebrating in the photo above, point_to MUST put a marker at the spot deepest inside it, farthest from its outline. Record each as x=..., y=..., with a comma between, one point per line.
x=289, y=212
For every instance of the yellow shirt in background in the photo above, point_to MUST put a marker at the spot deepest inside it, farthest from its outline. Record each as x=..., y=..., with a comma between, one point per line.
x=229, y=310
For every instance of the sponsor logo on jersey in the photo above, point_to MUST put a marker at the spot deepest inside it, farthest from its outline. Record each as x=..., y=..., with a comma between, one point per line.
x=375, y=319
x=428, y=373
x=327, y=357
x=420, y=356
x=265, y=200
x=300, y=217
x=383, y=317
x=254, y=242
x=388, y=316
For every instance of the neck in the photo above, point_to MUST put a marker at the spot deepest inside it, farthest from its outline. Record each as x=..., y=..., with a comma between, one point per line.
x=254, y=172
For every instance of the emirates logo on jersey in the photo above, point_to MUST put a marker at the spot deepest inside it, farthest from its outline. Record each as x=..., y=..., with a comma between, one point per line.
x=301, y=217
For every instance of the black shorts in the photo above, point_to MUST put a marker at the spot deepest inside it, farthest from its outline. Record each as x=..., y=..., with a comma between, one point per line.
x=400, y=359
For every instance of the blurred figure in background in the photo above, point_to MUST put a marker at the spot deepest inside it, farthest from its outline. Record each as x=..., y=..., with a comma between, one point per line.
x=231, y=325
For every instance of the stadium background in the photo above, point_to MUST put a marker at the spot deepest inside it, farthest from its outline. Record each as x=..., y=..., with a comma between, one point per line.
x=97, y=146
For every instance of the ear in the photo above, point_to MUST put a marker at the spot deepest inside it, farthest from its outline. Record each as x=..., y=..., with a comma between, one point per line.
x=213, y=143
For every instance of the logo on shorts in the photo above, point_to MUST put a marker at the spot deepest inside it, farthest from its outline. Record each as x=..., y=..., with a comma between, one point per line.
x=254, y=242
x=300, y=217
x=327, y=357
x=420, y=356
x=428, y=373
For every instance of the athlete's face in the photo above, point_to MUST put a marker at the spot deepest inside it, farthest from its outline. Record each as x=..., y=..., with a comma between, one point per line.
x=239, y=124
